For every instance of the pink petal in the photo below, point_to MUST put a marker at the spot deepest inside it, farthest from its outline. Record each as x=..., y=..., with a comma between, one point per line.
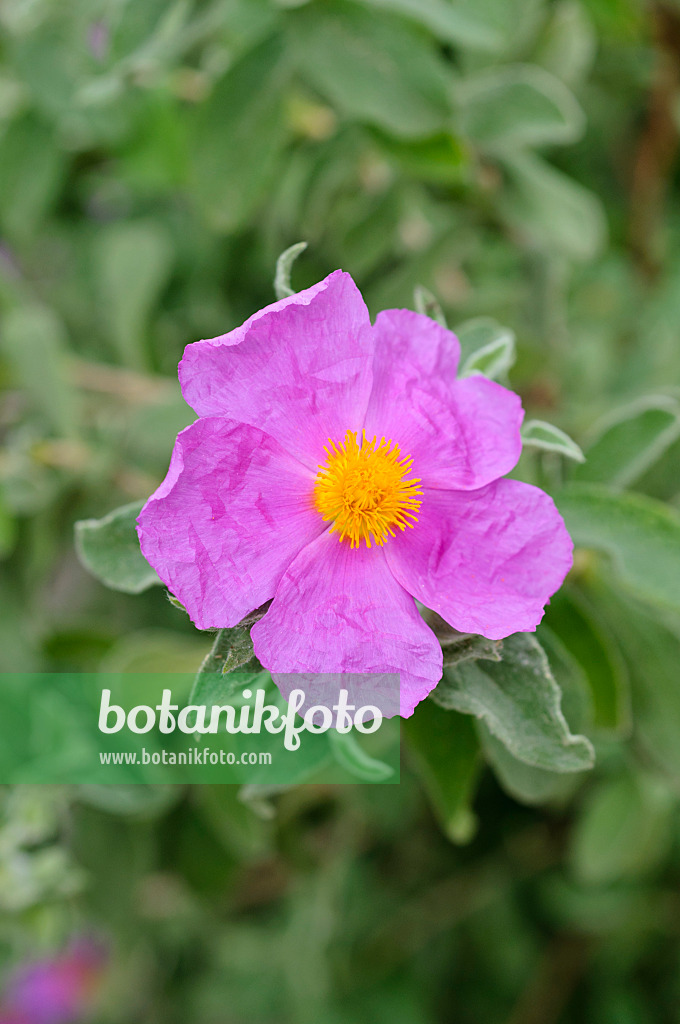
x=231, y=514
x=487, y=561
x=299, y=369
x=461, y=434
x=339, y=609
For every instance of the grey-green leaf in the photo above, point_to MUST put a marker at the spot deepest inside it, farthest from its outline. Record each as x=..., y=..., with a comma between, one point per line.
x=133, y=262
x=631, y=440
x=428, y=304
x=518, y=105
x=549, y=438
x=547, y=208
x=580, y=625
x=445, y=751
x=232, y=649
x=641, y=535
x=109, y=549
x=374, y=68
x=519, y=701
x=624, y=829
x=521, y=781
x=490, y=348
x=34, y=342
x=350, y=755
x=284, y=266
x=232, y=168
x=470, y=647
x=446, y=21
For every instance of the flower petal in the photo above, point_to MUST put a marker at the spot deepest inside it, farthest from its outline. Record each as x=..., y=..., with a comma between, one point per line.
x=339, y=609
x=461, y=434
x=231, y=514
x=487, y=561
x=299, y=369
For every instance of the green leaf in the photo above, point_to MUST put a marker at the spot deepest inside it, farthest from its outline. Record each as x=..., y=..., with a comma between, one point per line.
x=523, y=782
x=137, y=800
x=445, y=751
x=539, y=434
x=284, y=265
x=133, y=264
x=352, y=756
x=31, y=170
x=231, y=650
x=490, y=348
x=584, y=632
x=427, y=304
x=518, y=105
x=631, y=440
x=109, y=549
x=239, y=137
x=624, y=829
x=519, y=701
x=651, y=646
x=374, y=69
x=34, y=343
x=548, y=209
x=470, y=647
x=641, y=535
x=457, y=646
x=513, y=21
x=570, y=677
x=445, y=21
x=442, y=159
x=569, y=42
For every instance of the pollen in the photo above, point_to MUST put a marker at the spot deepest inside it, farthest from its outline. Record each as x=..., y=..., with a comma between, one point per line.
x=365, y=490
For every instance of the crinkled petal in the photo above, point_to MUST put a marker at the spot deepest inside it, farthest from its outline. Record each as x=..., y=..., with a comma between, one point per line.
x=232, y=513
x=487, y=561
x=461, y=434
x=339, y=609
x=299, y=369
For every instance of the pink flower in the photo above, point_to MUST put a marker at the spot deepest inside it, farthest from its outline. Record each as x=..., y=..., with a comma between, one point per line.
x=341, y=469
x=55, y=990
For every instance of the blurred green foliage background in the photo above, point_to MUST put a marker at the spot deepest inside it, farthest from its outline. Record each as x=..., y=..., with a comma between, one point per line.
x=517, y=158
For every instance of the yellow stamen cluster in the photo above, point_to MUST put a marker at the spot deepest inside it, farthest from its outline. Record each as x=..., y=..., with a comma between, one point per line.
x=364, y=488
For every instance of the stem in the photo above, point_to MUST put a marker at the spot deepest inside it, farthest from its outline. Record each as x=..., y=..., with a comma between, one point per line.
x=231, y=649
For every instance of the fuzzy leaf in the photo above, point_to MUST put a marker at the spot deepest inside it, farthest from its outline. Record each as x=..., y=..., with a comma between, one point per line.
x=523, y=782
x=538, y=434
x=234, y=166
x=445, y=752
x=641, y=535
x=518, y=105
x=232, y=649
x=580, y=626
x=133, y=261
x=109, y=549
x=491, y=348
x=624, y=829
x=550, y=210
x=445, y=21
x=519, y=701
x=284, y=266
x=427, y=304
x=631, y=441
x=350, y=755
x=374, y=68
x=469, y=647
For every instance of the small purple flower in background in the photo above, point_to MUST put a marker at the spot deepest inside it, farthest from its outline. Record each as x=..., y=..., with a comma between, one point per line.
x=55, y=990
x=98, y=39
x=341, y=469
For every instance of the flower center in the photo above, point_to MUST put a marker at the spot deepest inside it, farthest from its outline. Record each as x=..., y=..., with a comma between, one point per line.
x=365, y=489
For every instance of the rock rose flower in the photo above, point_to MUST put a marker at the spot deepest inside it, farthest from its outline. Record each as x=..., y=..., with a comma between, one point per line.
x=341, y=469
x=57, y=989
